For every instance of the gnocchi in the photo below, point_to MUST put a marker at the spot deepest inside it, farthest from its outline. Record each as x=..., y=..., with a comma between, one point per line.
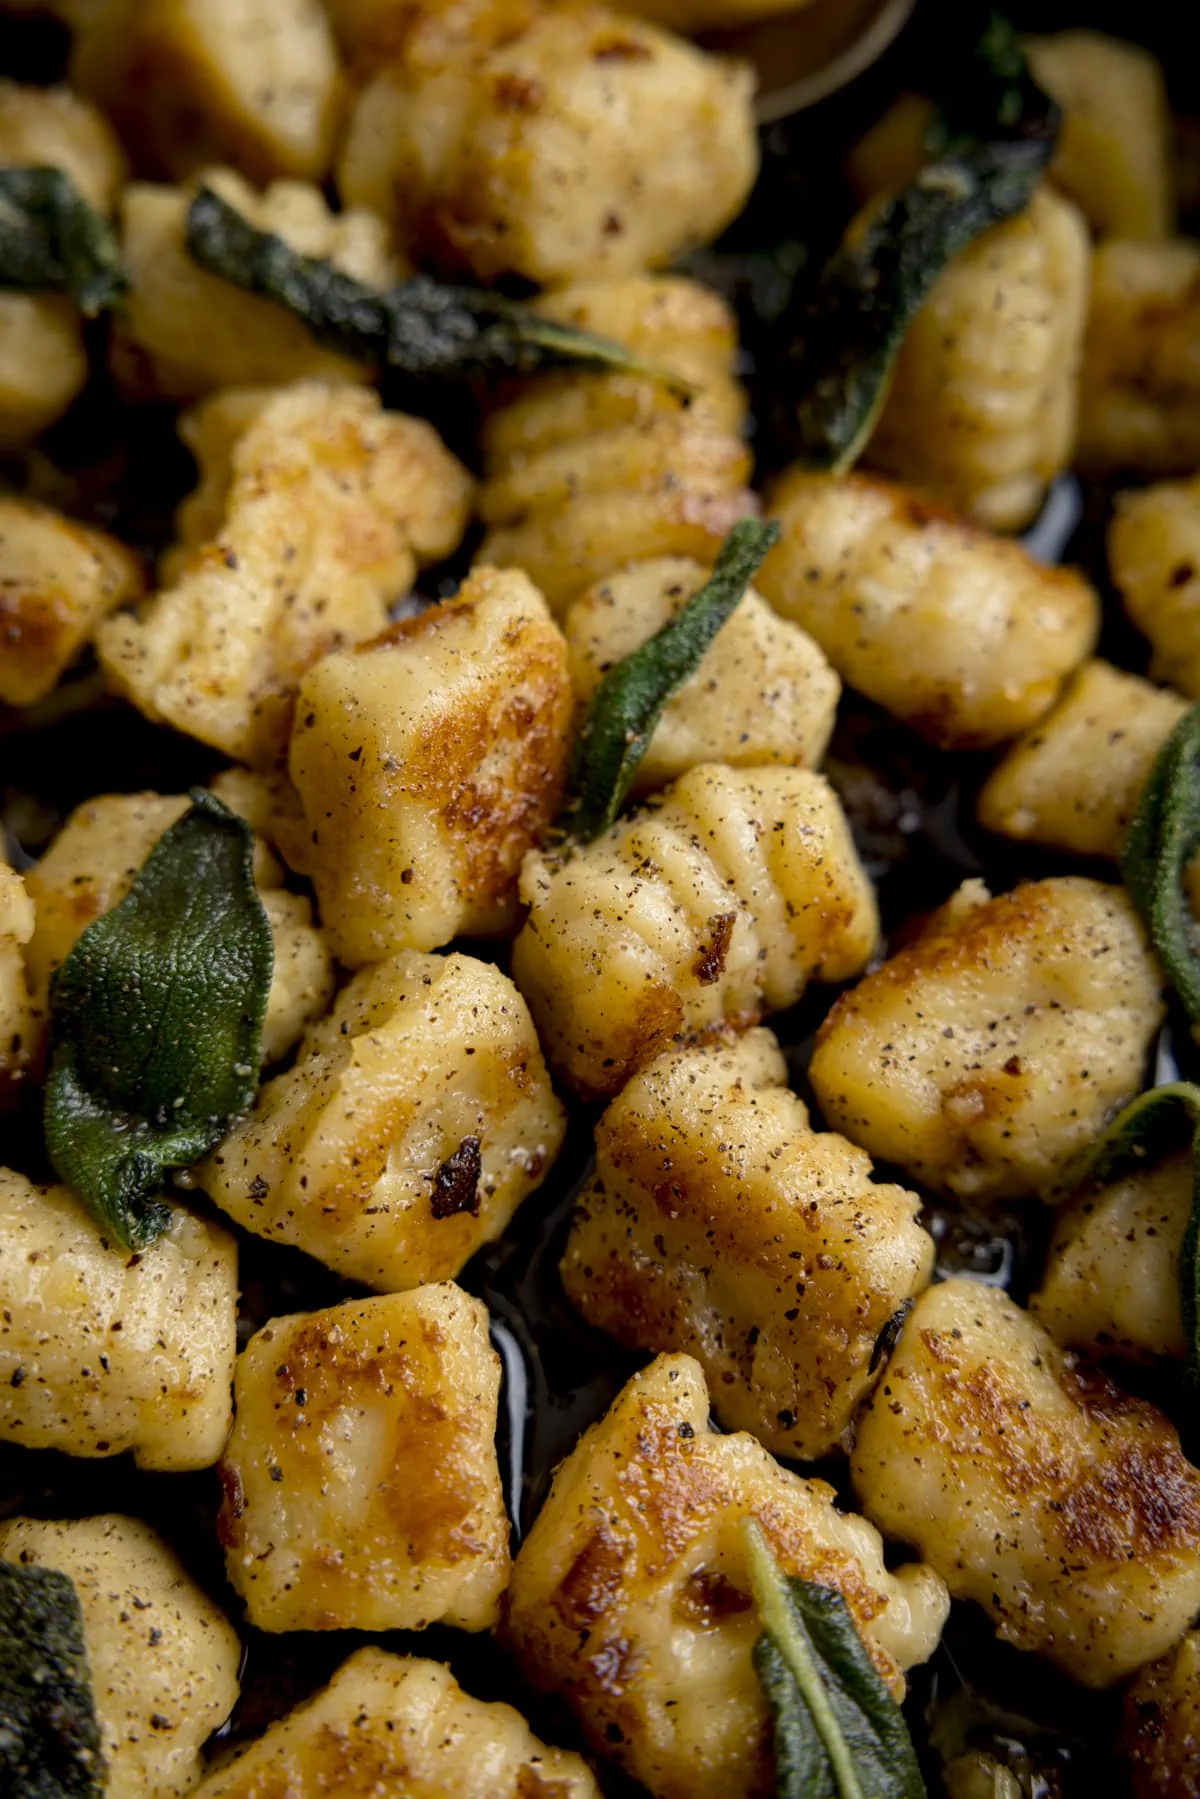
x=995, y=1047
x=1060, y=1505
x=1154, y=550
x=362, y=1489
x=17, y=1025
x=1141, y=362
x=716, y=903
x=720, y=1223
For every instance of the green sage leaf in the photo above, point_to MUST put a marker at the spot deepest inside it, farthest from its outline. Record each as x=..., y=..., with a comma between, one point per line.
x=839, y=1734
x=51, y=238
x=156, y=1018
x=999, y=136
x=1149, y=1129
x=629, y=701
x=1163, y=837
x=423, y=328
x=49, y=1734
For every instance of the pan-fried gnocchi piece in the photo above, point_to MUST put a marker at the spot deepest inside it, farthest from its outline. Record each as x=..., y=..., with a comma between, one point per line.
x=101, y=1351
x=587, y=472
x=720, y=1223
x=1111, y=1280
x=1161, y=1732
x=89, y=868
x=1154, y=552
x=719, y=901
x=1059, y=1504
x=42, y=361
x=427, y=763
x=554, y=142
x=997, y=1045
x=1073, y=781
x=254, y=83
x=184, y=332
x=981, y=414
x=17, y=1025
x=58, y=580
x=362, y=1489
x=397, y=1724
x=1140, y=391
x=329, y=505
x=630, y=1595
x=1114, y=154
x=763, y=693
x=163, y=1659
x=416, y=1119
x=961, y=635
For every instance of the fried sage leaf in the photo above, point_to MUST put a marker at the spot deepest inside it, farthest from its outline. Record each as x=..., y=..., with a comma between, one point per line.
x=422, y=328
x=1150, y=1128
x=629, y=701
x=157, y=1019
x=839, y=1734
x=1163, y=837
x=49, y=1736
x=51, y=238
x=999, y=136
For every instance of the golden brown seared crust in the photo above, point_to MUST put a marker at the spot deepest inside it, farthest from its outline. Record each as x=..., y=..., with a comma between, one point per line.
x=1161, y=1735
x=427, y=763
x=254, y=83
x=102, y=1351
x=417, y=1117
x=722, y=898
x=1140, y=390
x=961, y=635
x=1062, y=1506
x=328, y=504
x=361, y=1483
x=982, y=408
x=184, y=333
x=1154, y=553
x=630, y=1596
x=162, y=1659
x=556, y=142
x=1074, y=780
x=58, y=580
x=394, y=1724
x=985, y=1054
x=719, y=1223
x=17, y=1025
x=1114, y=151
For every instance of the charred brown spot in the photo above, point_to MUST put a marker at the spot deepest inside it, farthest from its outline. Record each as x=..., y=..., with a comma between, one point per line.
x=518, y=93
x=456, y=1183
x=710, y=963
x=1181, y=574
x=592, y=1581
x=622, y=49
x=233, y=1505
x=708, y=1598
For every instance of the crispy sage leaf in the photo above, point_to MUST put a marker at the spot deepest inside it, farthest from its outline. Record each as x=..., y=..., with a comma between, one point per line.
x=422, y=328
x=1150, y=1128
x=51, y=238
x=839, y=1734
x=157, y=1021
x=49, y=1736
x=629, y=701
x=999, y=135
x=1162, y=839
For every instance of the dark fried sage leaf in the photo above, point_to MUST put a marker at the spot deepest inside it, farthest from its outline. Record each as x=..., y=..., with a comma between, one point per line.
x=51, y=238
x=999, y=134
x=423, y=328
x=1150, y=1128
x=629, y=701
x=49, y=1736
x=157, y=1019
x=839, y=1734
x=1162, y=839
